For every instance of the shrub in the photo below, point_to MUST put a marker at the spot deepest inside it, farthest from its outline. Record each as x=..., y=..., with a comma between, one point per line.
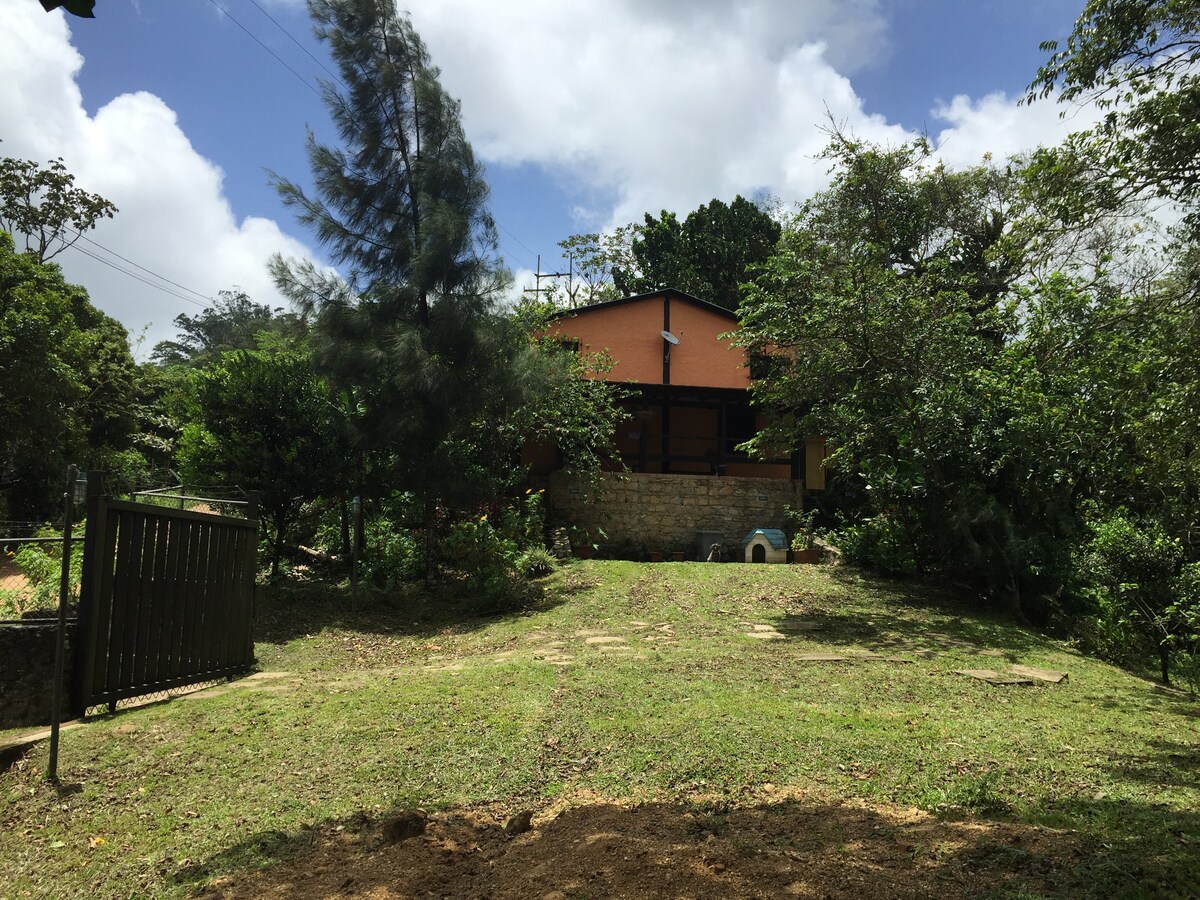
x=41, y=564
x=1144, y=598
x=880, y=542
x=536, y=562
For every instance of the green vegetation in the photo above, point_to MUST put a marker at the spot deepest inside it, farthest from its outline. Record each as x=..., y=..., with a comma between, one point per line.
x=417, y=702
x=994, y=386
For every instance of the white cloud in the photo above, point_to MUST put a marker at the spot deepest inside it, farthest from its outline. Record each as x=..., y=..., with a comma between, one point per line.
x=174, y=218
x=999, y=125
x=660, y=106
x=667, y=105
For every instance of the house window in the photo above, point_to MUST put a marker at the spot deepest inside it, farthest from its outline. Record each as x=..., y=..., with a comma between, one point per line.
x=741, y=424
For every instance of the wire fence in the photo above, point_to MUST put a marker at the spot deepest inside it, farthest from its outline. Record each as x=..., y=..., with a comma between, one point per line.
x=30, y=570
x=31, y=552
x=198, y=498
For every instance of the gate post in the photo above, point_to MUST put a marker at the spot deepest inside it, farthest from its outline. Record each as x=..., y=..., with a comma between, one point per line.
x=60, y=636
x=85, y=643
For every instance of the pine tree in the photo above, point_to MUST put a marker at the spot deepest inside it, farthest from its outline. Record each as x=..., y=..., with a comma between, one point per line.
x=411, y=330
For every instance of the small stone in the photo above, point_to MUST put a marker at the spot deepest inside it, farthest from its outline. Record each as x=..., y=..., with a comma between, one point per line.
x=520, y=823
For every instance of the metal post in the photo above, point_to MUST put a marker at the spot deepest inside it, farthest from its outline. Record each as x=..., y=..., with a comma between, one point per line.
x=60, y=647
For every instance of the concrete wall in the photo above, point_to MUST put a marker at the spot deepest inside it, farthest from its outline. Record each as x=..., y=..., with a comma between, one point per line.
x=667, y=511
x=27, y=672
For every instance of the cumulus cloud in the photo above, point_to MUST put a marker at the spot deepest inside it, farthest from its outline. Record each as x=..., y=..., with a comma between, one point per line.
x=636, y=105
x=658, y=106
x=174, y=218
x=1001, y=126
x=667, y=105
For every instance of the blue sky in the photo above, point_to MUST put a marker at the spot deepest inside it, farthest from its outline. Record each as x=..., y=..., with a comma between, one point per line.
x=586, y=114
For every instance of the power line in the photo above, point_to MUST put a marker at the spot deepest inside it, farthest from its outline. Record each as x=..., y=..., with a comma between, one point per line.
x=328, y=71
x=254, y=37
x=135, y=276
x=515, y=238
x=204, y=297
x=297, y=43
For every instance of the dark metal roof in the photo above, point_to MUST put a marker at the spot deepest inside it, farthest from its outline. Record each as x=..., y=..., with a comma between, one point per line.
x=672, y=292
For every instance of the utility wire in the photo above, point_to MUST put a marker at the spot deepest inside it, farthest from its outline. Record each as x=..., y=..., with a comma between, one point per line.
x=204, y=297
x=135, y=276
x=298, y=44
x=308, y=84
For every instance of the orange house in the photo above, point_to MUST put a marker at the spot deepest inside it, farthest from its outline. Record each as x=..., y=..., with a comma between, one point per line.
x=691, y=406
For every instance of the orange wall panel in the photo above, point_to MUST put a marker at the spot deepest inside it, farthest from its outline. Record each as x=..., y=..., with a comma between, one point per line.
x=701, y=358
x=631, y=333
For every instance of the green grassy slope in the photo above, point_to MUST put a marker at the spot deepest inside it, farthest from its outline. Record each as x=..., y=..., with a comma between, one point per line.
x=631, y=682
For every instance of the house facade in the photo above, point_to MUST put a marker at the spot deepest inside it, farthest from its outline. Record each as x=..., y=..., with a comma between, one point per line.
x=679, y=479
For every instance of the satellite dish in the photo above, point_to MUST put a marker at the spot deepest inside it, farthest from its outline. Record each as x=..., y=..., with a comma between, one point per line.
x=669, y=338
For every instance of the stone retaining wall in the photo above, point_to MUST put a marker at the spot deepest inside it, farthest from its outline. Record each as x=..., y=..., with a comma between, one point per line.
x=27, y=672
x=657, y=512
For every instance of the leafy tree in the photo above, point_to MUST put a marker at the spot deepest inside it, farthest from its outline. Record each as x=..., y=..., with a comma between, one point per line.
x=68, y=383
x=707, y=255
x=266, y=422
x=413, y=335
x=1137, y=60
x=233, y=322
x=593, y=258
x=45, y=208
x=893, y=313
x=1143, y=587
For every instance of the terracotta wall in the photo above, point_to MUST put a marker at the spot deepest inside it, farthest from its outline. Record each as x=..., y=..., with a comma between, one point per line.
x=631, y=333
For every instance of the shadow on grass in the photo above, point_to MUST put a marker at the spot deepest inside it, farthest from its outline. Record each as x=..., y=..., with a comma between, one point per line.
x=912, y=615
x=1170, y=764
x=288, y=610
x=709, y=850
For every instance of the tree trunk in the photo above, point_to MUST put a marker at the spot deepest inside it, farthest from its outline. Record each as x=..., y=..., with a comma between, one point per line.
x=430, y=543
x=1164, y=662
x=345, y=510
x=277, y=552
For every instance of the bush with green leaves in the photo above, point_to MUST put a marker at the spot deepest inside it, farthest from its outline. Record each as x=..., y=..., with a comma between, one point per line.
x=41, y=565
x=1145, y=598
x=882, y=542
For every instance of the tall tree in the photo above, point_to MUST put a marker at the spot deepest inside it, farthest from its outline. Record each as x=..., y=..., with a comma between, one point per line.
x=412, y=333
x=891, y=309
x=68, y=383
x=264, y=421
x=233, y=322
x=708, y=254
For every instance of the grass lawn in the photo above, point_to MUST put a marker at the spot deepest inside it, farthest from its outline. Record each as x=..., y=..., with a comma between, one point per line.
x=662, y=749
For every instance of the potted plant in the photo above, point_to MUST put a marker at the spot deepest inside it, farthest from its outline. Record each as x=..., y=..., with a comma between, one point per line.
x=583, y=544
x=803, y=549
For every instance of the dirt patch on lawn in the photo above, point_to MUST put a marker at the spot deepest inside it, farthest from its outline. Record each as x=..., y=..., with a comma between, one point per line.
x=784, y=848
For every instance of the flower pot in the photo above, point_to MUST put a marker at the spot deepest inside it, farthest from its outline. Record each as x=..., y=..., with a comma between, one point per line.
x=655, y=556
x=677, y=556
x=807, y=557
